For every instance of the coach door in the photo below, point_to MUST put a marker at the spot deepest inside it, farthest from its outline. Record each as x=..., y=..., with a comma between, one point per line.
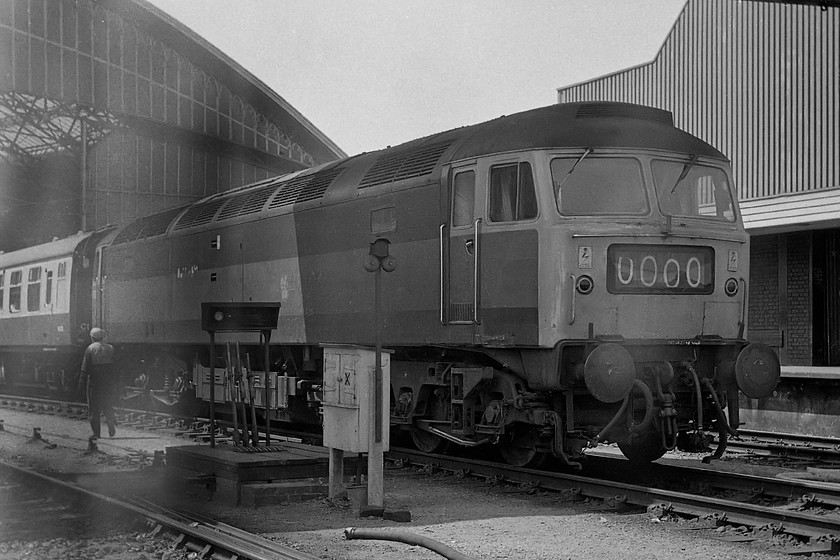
x=461, y=251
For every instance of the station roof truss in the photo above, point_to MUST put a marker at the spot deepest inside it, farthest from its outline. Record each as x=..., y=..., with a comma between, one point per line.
x=32, y=127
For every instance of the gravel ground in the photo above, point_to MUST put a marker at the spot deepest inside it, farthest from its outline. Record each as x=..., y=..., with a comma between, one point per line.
x=482, y=520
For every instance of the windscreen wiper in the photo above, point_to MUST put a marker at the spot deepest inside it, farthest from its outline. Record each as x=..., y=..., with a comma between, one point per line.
x=686, y=168
x=580, y=159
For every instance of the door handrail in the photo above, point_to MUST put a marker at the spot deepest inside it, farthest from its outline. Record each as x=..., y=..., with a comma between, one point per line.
x=442, y=277
x=476, y=270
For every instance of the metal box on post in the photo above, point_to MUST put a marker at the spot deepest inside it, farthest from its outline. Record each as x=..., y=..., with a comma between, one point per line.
x=349, y=375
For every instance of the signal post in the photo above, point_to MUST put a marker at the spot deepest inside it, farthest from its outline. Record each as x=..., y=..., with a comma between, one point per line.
x=354, y=381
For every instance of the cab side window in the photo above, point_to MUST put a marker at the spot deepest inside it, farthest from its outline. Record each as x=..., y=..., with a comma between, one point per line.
x=512, y=196
x=463, y=199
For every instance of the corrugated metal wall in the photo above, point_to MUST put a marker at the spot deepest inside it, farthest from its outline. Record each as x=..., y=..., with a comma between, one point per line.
x=758, y=80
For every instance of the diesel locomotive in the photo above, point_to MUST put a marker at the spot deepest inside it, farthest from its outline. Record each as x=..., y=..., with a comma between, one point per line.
x=564, y=276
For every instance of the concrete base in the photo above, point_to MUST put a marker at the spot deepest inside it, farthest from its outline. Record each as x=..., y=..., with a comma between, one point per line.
x=256, y=494
x=358, y=496
x=297, y=472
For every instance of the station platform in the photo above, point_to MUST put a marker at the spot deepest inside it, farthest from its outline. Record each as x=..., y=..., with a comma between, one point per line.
x=289, y=472
x=804, y=402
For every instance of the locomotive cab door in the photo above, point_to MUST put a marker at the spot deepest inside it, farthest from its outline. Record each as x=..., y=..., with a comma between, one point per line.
x=461, y=250
x=98, y=288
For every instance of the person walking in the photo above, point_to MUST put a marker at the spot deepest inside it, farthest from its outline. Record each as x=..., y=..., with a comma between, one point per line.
x=99, y=378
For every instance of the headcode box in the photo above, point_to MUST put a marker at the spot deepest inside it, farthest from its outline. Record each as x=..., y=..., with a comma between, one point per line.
x=236, y=316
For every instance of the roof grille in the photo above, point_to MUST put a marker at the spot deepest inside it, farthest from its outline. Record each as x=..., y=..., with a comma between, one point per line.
x=307, y=187
x=404, y=164
x=249, y=202
x=156, y=224
x=625, y=110
x=199, y=214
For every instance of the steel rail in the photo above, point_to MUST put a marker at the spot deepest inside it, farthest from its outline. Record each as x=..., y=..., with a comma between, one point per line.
x=782, y=436
x=141, y=419
x=798, y=523
x=763, y=443
x=815, y=492
x=788, y=445
x=793, y=489
x=211, y=537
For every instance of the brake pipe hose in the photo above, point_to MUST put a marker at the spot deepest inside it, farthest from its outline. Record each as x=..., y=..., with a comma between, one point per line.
x=634, y=428
x=356, y=533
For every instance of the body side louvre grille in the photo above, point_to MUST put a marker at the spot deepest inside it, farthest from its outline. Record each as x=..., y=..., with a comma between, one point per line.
x=200, y=214
x=404, y=165
x=159, y=223
x=129, y=233
x=246, y=203
x=156, y=224
x=302, y=189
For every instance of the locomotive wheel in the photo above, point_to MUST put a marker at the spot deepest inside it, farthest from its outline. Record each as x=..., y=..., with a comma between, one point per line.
x=426, y=442
x=645, y=448
x=518, y=447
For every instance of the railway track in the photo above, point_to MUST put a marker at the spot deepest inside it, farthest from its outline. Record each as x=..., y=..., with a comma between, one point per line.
x=194, y=428
x=760, y=444
x=46, y=501
x=786, y=446
x=805, y=513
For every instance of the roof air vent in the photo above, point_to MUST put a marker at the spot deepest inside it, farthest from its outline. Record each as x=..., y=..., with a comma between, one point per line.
x=626, y=111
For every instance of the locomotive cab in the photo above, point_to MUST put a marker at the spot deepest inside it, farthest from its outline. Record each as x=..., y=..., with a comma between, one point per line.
x=653, y=261
x=609, y=283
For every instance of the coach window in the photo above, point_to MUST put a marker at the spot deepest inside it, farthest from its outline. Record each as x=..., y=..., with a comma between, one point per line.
x=15, y=282
x=60, y=285
x=463, y=199
x=512, y=196
x=593, y=186
x=33, y=289
x=48, y=289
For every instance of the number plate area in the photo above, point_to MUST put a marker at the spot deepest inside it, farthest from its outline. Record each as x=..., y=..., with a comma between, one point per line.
x=660, y=269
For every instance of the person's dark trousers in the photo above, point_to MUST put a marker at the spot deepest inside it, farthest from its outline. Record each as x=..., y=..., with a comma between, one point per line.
x=99, y=402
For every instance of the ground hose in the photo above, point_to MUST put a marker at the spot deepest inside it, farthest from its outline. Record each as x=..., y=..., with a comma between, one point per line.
x=354, y=533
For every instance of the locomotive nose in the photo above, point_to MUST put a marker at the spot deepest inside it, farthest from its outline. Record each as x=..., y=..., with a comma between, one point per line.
x=757, y=370
x=609, y=372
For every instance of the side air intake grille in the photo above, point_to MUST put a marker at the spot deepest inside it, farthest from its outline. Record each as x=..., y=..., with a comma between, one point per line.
x=246, y=203
x=624, y=110
x=200, y=214
x=403, y=165
x=303, y=189
x=149, y=226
